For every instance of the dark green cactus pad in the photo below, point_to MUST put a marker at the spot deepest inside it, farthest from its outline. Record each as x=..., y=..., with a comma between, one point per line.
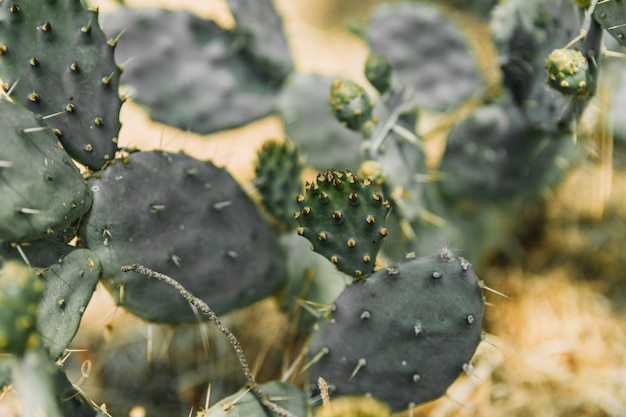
x=568, y=71
x=428, y=52
x=189, y=72
x=344, y=218
x=42, y=190
x=264, y=38
x=278, y=170
x=303, y=107
x=611, y=14
x=201, y=228
x=504, y=157
x=351, y=104
x=69, y=286
x=404, y=334
x=20, y=292
x=57, y=61
x=378, y=72
x=245, y=403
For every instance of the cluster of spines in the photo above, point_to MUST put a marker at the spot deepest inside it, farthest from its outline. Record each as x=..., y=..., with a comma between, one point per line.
x=343, y=217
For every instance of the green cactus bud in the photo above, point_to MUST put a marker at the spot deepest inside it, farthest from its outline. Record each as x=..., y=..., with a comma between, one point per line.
x=350, y=104
x=344, y=218
x=568, y=71
x=378, y=72
x=20, y=291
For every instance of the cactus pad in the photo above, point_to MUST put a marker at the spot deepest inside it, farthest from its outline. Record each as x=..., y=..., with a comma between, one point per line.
x=42, y=190
x=350, y=104
x=201, y=228
x=189, y=72
x=69, y=286
x=611, y=14
x=278, y=169
x=344, y=218
x=428, y=52
x=66, y=70
x=20, y=291
x=568, y=71
x=378, y=72
x=404, y=334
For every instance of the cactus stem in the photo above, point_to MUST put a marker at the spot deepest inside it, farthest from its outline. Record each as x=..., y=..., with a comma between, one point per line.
x=234, y=342
x=360, y=364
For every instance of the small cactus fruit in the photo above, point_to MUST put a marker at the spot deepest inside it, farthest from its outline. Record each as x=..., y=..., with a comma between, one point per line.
x=59, y=64
x=568, y=71
x=20, y=291
x=378, y=72
x=404, y=334
x=278, y=170
x=350, y=104
x=344, y=218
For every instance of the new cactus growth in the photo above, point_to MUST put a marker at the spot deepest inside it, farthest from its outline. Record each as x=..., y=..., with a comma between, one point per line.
x=66, y=73
x=404, y=334
x=568, y=71
x=378, y=72
x=344, y=218
x=351, y=104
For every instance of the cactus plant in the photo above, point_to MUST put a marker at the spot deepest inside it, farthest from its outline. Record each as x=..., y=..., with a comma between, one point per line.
x=344, y=219
x=404, y=334
x=67, y=74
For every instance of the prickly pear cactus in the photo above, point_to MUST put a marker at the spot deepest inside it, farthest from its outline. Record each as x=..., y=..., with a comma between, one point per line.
x=351, y=104
x=404, y=334
x=66, y=74
x=20, y=292
x=245, y=403
x=42, y=190
x=568, y=71
x=378, y=72
x=278, y=169
x=69, y=286
x=185, y=218
x=611, y=14
x=344, y=218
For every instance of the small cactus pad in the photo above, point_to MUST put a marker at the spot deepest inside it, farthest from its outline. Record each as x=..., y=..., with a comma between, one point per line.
x=201, y=228
x=189, y=72
x=278, y=169
x=246, y=403
x=428, y=51
x=568, y=70
x=404, y=334
x=350, y=104
x=20, y=291
x=378, y=72
x=69, y=286
x=42, y=190
x=58, y=63
x=344, y=218
x=611, y=14
x=303, y=107
x=264, y=38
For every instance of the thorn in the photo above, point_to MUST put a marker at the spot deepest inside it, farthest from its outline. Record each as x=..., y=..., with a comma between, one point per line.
x=176, y=259
x=106, y=80
x=34, y=129
x=482, y=285
x=418, y=328
x=113, y=41
x=87, y=28
x=23, y=255
x=360, y=364
x=155, y=208
x=222, y=204
x=50, y=116
x=323, y=352
x=6, y=164
x=10, y=90
x=25, y=210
